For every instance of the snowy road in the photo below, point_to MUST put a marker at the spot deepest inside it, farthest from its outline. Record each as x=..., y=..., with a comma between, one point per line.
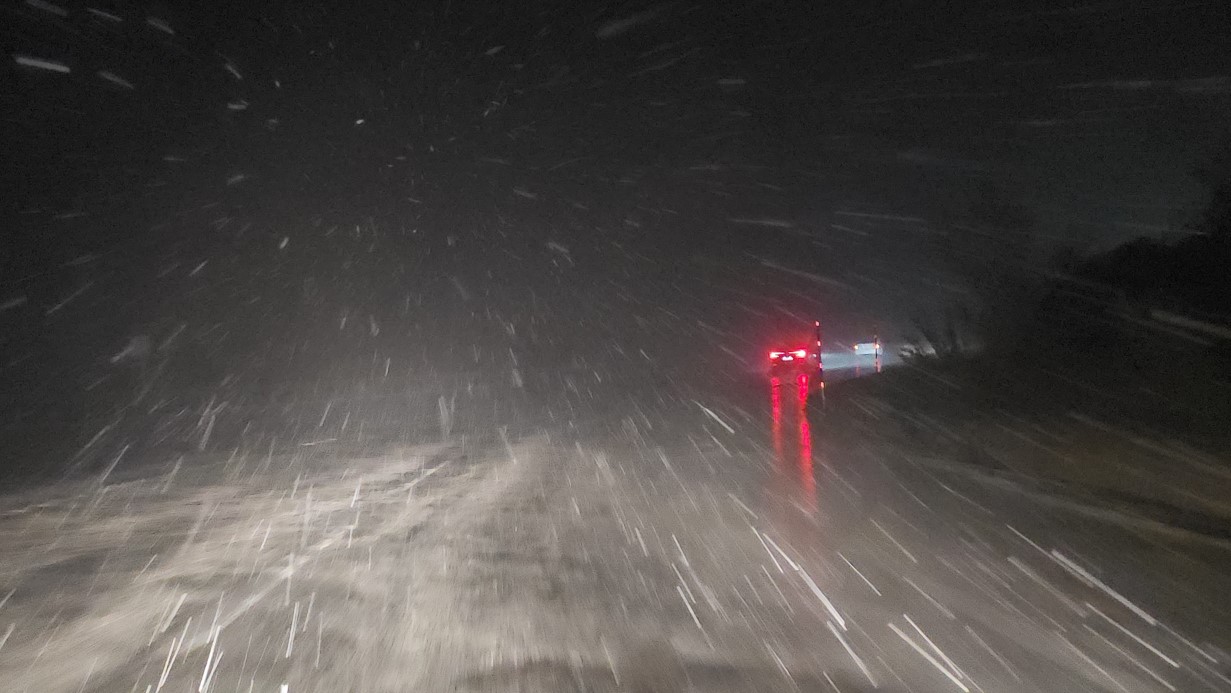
x=707, y=536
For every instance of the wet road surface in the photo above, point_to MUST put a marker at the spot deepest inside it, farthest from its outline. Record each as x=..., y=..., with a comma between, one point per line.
x=690, y=534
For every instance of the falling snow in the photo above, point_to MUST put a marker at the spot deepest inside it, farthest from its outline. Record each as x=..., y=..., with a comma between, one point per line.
x=417, y=348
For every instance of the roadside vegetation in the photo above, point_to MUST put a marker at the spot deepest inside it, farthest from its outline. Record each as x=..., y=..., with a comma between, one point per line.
x=1018, y=298
x=1102, y=376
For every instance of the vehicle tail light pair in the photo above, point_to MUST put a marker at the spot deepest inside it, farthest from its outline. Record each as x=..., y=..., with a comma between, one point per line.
x=798, y=353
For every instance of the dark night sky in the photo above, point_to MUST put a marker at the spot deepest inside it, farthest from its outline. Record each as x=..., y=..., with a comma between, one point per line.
x=1090, y=113
x=315, y=156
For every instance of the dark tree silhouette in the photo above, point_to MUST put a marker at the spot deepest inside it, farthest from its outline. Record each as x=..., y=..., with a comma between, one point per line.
x=1215, y=174
x=1192, y=275
x=991, y=251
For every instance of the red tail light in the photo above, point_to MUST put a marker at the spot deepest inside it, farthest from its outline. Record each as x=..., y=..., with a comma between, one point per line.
x=800, y=353
x=775, y=354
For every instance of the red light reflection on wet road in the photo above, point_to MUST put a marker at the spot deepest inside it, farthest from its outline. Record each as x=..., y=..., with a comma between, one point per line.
x=792, y=441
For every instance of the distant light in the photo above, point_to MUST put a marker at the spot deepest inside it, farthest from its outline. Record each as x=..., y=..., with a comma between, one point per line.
x=800, y=353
